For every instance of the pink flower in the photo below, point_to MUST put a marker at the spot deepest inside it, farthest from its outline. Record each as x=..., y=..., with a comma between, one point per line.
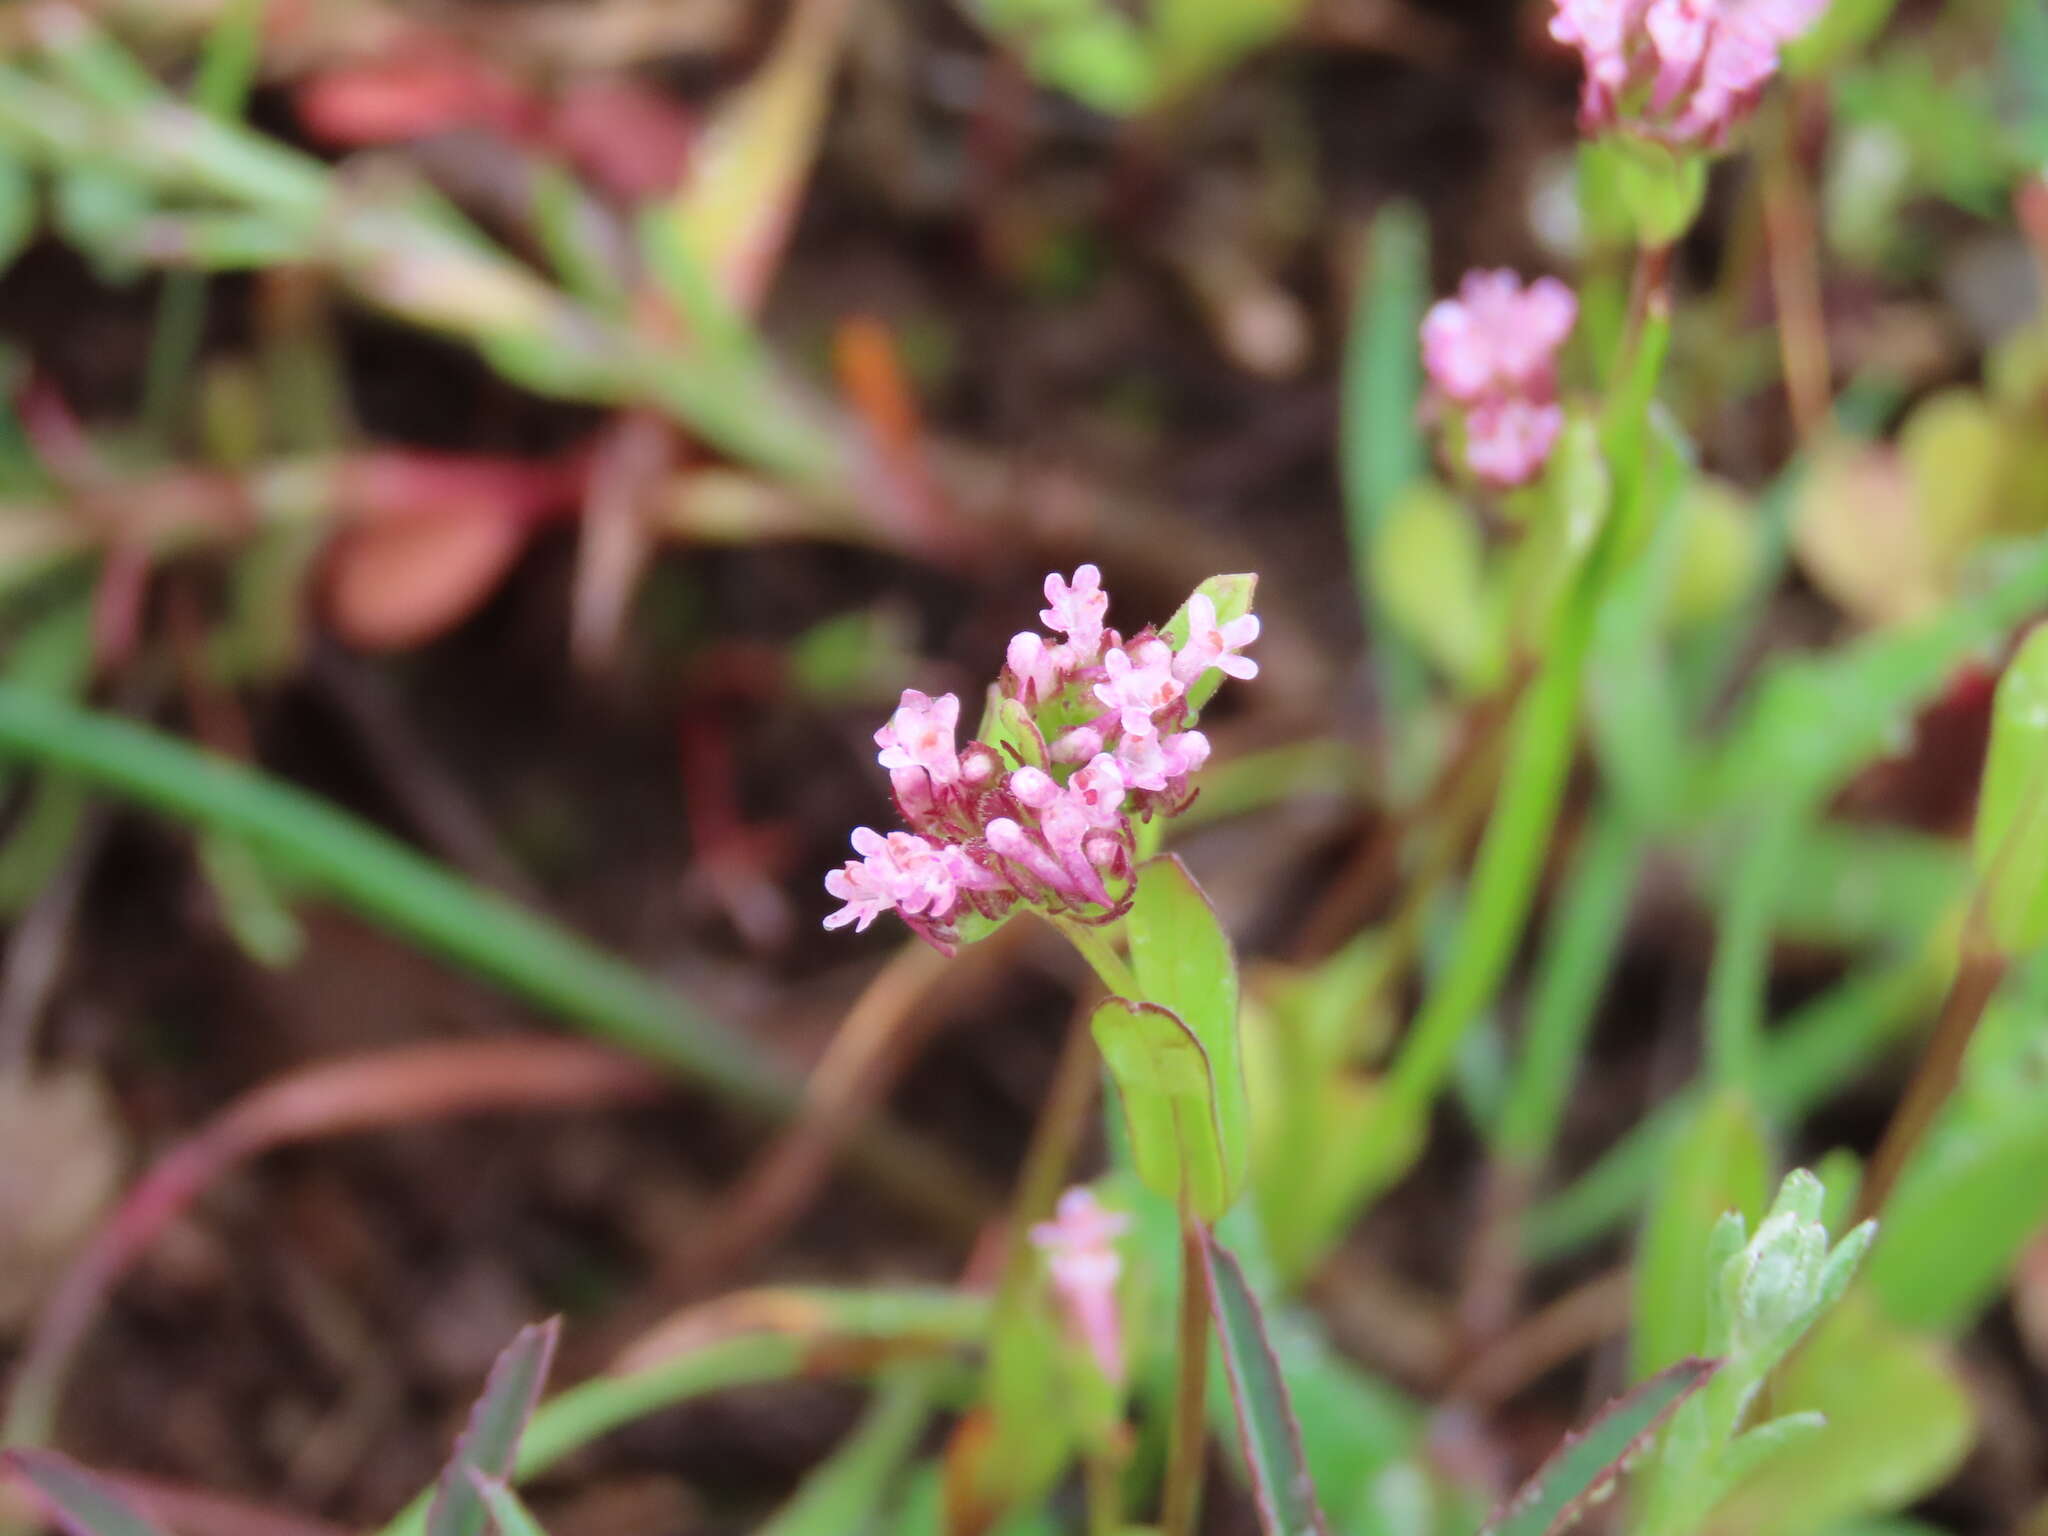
x=1079, y=1245
x=1077, y=745
x=900, y=872
x=920, y=735
x=1507, y=442
x=1139, y=684
x=1036, y=666
x=1680, y=71
x=1034, y=787
x=1098, y=790
x=1158, y=762
x=1496, y=336
x=1215, y=645
x=1077, y=610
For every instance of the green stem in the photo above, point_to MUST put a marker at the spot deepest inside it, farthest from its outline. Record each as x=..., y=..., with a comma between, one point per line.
x=1100, y=951
x=1740, y=976
x=1104, y=1477
x=1540, y=746
x=1567, y=987
x=1181, y=1504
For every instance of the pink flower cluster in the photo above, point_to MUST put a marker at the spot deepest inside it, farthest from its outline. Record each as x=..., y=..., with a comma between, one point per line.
x=1079, y=1245
x=1683, y=72
x=1096, y=733
x=1493, y=352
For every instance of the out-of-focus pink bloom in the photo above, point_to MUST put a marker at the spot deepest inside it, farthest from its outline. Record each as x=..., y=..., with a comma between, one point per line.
x=1493, y=350
x=1215, y=645
x=1077, y=610
x=1138, y=684
x=1081, y=1258
x=920, y=735
x=1507, y=442
x=1497, y=337
x=901, y=872
x=1680, y=71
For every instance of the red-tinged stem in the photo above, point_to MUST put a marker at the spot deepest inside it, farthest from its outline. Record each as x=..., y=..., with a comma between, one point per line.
x=1978, y=974
x=1186, y=1449
x=396, y=1087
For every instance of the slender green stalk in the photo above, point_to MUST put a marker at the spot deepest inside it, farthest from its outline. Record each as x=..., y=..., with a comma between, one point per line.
x=1541, y=740
x=1103, y=1475
x=1740, y=976
x=1187, y=1446
x=227, y=69
x=1100, y=951
x=1567, y=987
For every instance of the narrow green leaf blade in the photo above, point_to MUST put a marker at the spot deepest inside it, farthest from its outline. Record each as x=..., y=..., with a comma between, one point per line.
x=1580, y=1470
x=1267, y=1429
x=1184, y=962
x=489, y=1446
x=1168, y=1090
x=84, y=1504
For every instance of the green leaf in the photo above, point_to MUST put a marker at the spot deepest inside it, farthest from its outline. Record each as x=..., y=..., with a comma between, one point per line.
x=1232, y=596
x=489, y=1446
x=1718, y=1163
x=1183, y=960
x=83, y=1503
x=1582, y=1469
x=1169, y=1096
x=1898, y=1423
x=1429, y=584
x=2010, y=845
x=18, y=210
x=1267, y=1431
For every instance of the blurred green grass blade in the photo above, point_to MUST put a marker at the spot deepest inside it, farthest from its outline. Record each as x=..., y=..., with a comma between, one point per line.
x=490, y=1441
x=1585, y=1467
x=1379, y=443
x=844, y=1496
x=227, y=67
x=1739, y=976
x=1267, y=1432
x=388, y=882
x=85, y=1505
x=1578, y=954
x=1819, y=1049
x=1718, y=1161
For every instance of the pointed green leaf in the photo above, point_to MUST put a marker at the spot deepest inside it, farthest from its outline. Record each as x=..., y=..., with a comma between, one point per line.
x=1582, y=1469
x=490, y=1444
x=1169, y=1096
x=1267, y=1430
x=1184, y=961
x=80, y=1501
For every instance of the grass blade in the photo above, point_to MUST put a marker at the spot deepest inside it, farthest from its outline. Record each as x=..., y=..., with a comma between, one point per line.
x=491, y=1442
x=85, y=1505
x=1582, y=1469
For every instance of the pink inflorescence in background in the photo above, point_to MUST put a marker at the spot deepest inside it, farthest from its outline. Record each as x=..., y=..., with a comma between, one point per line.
x=1097, y=735
x=1683, y=72
x=1079, y=1245
x=1492, y=351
